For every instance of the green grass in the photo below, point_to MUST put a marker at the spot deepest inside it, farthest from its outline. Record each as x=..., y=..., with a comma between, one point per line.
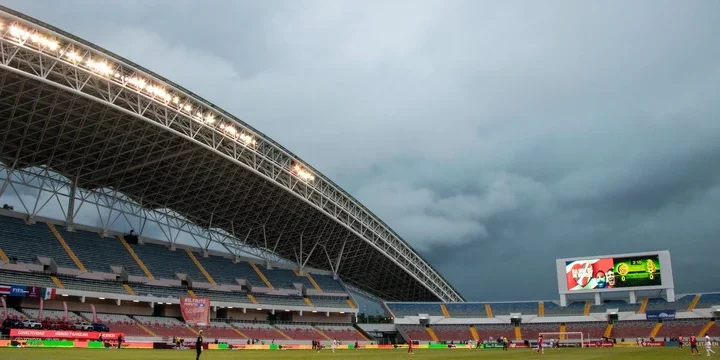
x=132, y=354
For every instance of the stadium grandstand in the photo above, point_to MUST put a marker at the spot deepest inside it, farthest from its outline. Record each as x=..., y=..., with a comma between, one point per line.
x=123, y=193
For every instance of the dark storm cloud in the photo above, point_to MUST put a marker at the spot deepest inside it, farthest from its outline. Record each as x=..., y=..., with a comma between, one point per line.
x=493, y=136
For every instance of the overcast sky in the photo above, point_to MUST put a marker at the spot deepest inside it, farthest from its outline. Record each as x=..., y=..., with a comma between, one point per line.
x=494, y=136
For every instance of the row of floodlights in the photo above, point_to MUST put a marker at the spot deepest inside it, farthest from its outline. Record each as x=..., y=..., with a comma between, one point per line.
x=105, y=68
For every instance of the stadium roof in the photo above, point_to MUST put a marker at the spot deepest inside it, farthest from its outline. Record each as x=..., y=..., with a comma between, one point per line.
x=76, y=110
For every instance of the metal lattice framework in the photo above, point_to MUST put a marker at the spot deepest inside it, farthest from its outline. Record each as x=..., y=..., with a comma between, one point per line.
x=96, y=128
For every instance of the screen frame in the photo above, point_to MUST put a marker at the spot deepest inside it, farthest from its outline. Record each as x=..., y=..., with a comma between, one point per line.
x=666, y=276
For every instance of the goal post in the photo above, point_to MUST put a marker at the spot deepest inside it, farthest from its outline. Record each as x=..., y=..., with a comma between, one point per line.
x=564, y=337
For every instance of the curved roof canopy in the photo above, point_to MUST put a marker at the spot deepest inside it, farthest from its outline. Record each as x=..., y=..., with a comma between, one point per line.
x=97, y=118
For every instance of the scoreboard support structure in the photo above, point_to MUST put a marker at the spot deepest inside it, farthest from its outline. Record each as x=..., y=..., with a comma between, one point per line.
x=622, y=275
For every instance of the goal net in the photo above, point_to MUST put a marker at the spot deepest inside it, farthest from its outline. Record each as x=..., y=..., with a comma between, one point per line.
x=574, y=338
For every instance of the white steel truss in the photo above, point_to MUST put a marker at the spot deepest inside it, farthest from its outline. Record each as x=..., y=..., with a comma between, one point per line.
x=121, y=141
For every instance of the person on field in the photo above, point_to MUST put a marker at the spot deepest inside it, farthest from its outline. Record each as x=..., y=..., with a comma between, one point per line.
x=199, y=345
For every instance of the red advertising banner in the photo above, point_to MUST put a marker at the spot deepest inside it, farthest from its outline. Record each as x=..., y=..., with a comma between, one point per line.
x=62, y=334
x=195, y=311
x=599, y=344
x=652, y=343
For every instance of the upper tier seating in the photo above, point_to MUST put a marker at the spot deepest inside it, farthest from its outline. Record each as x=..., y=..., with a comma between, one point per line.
x=575, y=308
x=159, y=291
x=23, y=278
x=284, y=279
x=27, y=242
x=680, y=304
x=164, y=263
x=280, y=300
x=620, y=305
x=708, y=301
x=413, y=309
x=329, y=301
x=236, y=297
x=106, y=286
x=341, y=332
x=328, y=284
x=98, y=254
x=514, y=307
x=466, y=310
x=224, y=271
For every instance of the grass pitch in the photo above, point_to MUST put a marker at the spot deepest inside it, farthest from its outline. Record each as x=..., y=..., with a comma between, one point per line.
x=428, y=354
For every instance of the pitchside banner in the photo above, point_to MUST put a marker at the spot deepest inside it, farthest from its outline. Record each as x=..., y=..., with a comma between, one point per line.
x=195, y=311
x=655, y=315
x=62, y=334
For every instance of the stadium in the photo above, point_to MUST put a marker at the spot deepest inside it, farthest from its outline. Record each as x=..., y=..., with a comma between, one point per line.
x=201, y=222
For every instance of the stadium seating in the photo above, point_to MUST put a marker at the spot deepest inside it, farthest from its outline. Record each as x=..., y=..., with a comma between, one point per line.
x=27, y=242
x=680, y=304
x=494, y=331
x=106, y=286
x=224, y=271
x=466, y=310
x=25, y=278
x=119, y=323
x=681, y=327
x=632, y=329
x=98, y=254
x=300, y=332
x=575, y=308
x=284, y=279
x=158, y=291
x=14, y=314
x=328, y=284
x=280, y=300
x=415, y=332
x=259, y=331
x=452, y=332
x=594, y=329
x=413, y=309
x=620, y=305
x=237, y=297
x=164, y=264
x=52, y=315
x=514, y=307
x=329, y=301
x=342, y=333
x=532, y=331
x=708, y=301
x=164, y=327
x=220, y=330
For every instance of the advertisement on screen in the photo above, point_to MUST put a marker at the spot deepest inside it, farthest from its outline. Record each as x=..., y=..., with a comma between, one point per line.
x=610, y=273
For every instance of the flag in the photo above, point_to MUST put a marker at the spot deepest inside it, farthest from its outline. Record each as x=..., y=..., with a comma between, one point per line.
x=94, y=314
x=47, y=293
x=65, y=317
x=42, y=303
x=4, y=289
x=4, y=305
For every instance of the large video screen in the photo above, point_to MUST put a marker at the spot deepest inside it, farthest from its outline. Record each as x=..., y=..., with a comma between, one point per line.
x=609, y=273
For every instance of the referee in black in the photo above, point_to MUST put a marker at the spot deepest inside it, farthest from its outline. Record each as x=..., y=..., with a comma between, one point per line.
x=199, y=345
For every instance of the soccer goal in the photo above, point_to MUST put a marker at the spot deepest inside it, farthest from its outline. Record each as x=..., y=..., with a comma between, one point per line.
x=564, y=337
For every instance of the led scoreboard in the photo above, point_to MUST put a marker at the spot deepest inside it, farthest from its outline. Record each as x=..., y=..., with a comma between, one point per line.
x=612, y=273
x=609, y=273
